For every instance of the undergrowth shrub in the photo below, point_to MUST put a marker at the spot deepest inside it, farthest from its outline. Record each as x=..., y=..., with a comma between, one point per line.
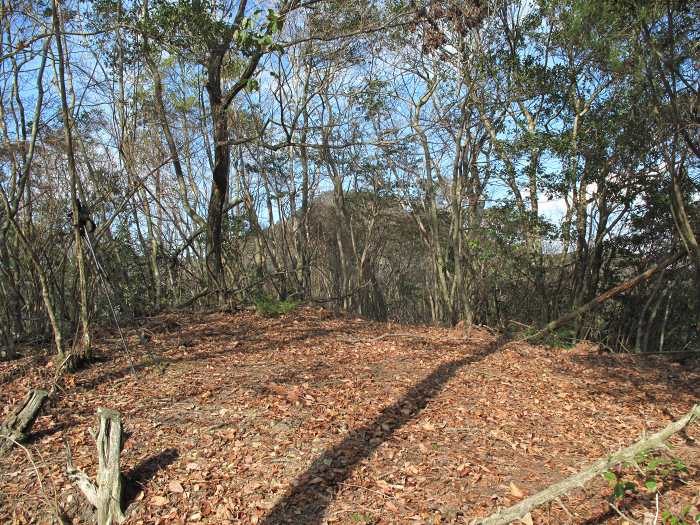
x=272, y=307
x=650, y=473
x=564, y=337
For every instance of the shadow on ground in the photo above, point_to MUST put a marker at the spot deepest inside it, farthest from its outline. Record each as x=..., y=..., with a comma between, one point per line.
x=243, y=334
x=37, y=436
x=307, y=501
x=144, y=471
x=680, y=378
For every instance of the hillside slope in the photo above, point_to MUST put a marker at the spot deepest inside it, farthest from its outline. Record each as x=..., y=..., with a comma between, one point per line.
x=312, y=419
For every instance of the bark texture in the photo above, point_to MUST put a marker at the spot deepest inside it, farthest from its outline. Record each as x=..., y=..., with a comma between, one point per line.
x=106, y=495
x=20, y=421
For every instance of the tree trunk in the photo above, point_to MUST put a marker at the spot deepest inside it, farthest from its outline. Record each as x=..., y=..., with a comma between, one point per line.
x=13, y=326
x=685, y=230
x=82, y=350
x=220, y=173
x=46, y=295
x=20, y=421
x=644, y=327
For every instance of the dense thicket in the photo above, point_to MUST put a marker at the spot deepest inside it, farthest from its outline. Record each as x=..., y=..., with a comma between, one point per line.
x=434, y=161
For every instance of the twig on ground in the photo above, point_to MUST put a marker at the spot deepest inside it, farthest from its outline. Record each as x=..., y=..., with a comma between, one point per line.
x=622, y=514
x=53, y=504
x=566, y=509
x=656, y=514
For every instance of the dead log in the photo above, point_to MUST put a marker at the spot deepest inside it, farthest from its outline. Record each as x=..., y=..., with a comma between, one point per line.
x=18, y=424
x=106, y=495
x=578, y=480
x=608, y=294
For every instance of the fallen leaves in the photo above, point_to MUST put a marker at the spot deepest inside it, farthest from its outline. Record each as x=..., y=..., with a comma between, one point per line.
x=158, y=501
x=527, y=519
x=256, y=402
x=176, y=487
x=515, y=491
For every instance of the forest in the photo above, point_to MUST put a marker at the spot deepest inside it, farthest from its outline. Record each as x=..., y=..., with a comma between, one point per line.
x=349, y=261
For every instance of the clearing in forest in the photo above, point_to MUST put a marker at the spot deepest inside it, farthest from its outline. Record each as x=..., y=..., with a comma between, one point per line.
x=310, y=418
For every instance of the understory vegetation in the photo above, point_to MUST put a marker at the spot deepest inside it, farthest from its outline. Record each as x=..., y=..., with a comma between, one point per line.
x=307, y=262
x=496, y=163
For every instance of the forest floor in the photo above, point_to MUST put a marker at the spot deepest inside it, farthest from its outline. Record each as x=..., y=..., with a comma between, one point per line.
x=310, y=418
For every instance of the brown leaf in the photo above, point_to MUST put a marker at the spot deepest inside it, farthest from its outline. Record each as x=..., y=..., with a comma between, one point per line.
x=527, y=519
x=515, y=491
x=293, y=396
x=390, y=506
x=463, y=470
x=412, y=469
x=222, y=512
x=175, y=486
x=277, y=389
x=158, y=501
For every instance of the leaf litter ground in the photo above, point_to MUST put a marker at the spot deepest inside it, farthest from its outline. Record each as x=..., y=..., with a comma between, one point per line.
x=311, y=418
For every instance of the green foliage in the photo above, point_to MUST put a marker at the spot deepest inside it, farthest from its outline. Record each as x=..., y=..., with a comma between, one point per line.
x=564, y=337
x=664, y=466
x=650, y=472
x=362, y=517
x=684, y=517
x=619, y=485
x=271, y=307
x=190, y=27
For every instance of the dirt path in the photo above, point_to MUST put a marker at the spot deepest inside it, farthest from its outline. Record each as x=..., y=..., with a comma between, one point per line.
x=311, y=419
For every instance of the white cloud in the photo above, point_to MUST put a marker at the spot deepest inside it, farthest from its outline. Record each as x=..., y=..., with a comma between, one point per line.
x=552, y=210
x=555, y=209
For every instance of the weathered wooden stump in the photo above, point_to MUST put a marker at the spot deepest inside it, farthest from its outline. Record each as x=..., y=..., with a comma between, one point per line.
x=106, y=496
x=18, y=424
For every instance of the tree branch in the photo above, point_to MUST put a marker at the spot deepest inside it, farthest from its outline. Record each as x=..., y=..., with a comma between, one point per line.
x=578, y=480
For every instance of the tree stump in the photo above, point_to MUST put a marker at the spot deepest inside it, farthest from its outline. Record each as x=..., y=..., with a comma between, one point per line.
x=106, y=496
x=18, y=424
x=10, y=351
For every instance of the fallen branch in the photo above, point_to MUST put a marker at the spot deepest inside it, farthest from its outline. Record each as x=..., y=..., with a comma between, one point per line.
x=608, y=294
x=578, y=480
x=106, y=495
x=18, y=424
